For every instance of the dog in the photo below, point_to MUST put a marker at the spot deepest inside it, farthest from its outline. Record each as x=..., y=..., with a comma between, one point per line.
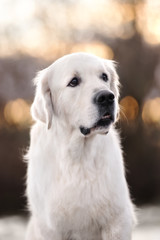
x=76, y=183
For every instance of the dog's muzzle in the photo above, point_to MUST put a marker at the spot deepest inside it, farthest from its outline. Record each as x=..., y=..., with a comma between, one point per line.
x=105, y=102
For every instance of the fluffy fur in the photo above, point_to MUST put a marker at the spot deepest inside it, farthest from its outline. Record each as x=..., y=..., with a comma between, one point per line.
x=76, y=184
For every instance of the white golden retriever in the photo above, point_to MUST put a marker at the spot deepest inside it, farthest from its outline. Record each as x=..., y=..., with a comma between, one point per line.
x=76, y=184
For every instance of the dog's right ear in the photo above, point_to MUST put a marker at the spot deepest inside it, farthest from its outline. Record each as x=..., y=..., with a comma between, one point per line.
x=42, y=107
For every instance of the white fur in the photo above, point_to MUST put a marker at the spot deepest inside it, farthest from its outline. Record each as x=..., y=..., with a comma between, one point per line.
x=76, y=185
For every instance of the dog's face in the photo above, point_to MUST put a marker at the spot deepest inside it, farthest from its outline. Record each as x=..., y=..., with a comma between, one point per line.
x=81, y=91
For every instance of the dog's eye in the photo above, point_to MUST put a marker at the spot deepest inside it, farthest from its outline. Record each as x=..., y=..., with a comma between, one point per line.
x=104, y=77
x=74, y=82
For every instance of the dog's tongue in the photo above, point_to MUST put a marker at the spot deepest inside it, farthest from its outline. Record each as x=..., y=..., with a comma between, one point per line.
x=106, y=117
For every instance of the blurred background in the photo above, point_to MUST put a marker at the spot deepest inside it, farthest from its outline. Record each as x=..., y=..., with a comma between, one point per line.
x=33, y=34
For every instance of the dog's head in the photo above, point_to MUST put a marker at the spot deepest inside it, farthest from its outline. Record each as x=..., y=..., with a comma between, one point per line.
x=80, y=91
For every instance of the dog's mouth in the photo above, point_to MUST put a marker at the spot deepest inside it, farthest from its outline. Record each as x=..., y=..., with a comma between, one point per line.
x=102, y=124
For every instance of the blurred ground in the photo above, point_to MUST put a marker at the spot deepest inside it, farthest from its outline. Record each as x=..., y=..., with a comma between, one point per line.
x=149, y=224
x=14, y=227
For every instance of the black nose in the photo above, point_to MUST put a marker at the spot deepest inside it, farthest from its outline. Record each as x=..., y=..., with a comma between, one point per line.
x=104, y=97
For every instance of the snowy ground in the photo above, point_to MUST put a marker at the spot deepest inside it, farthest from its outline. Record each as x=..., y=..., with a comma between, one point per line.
x=14, y=227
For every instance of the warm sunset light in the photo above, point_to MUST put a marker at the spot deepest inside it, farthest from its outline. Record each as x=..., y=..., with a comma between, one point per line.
x=149, y=20
x=96, y=48
x=38, y=32
x=17, y=113
x=129, y=108
x=151, y=112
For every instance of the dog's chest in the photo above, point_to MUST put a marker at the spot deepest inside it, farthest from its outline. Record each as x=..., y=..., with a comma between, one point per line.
x=80, y=198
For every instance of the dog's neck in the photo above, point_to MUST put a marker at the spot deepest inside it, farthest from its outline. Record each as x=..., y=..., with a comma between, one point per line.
x=77, y=145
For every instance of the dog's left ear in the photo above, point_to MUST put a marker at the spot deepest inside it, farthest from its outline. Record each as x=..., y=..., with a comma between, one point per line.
x=42, y=107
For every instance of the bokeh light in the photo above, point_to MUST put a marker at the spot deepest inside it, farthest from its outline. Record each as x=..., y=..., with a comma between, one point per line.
x=129, y=108
x=149, y=20
x=151, y=112
x=96, y=48
x=34, y=33
x=17, y=113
